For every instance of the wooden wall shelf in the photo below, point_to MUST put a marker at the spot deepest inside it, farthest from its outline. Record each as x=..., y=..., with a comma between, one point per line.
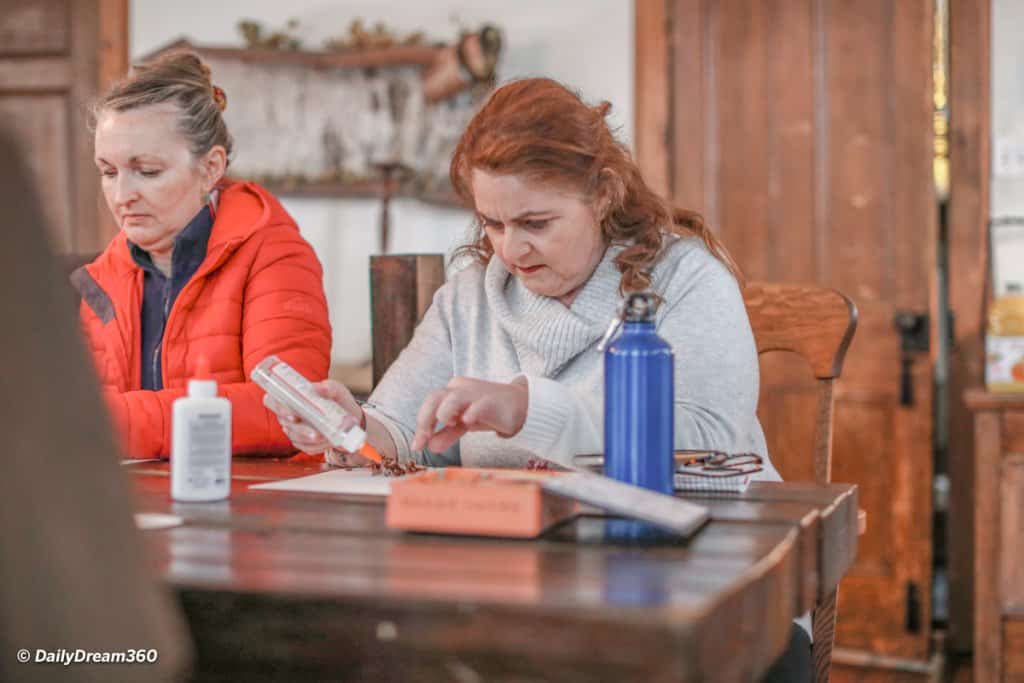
x=399, y=55
x=360, y=189
x=327, y=145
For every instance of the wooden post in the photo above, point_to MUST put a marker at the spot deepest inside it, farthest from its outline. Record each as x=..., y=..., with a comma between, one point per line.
x=968, y=214
x=393, y=174
x=988, y=633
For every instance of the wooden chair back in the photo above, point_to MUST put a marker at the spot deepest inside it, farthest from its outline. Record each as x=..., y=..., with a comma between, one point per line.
x=817, y=324
x=401, y=289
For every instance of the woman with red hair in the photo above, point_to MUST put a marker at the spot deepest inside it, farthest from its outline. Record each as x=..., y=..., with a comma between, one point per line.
x=503, y=367
x=504, y=360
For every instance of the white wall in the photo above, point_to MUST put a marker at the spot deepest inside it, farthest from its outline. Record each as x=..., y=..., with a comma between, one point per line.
x=587, y=44
x=1007, y=192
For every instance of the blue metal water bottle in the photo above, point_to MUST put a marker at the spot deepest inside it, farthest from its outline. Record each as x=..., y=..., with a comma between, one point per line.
x=639, y=392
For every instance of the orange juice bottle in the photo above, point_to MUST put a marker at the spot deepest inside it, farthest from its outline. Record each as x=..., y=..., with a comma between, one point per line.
x=1004, y=343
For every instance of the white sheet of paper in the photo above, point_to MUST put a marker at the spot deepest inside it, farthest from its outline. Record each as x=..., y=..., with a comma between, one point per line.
x=359, y=481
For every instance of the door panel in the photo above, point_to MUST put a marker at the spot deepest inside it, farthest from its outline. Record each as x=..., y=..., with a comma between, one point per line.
x=35, y=27
x=43, y=120
x=54, y=57
x=802, y=130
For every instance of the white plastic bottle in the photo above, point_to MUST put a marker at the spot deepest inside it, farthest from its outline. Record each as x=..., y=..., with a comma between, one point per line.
x=201, y=441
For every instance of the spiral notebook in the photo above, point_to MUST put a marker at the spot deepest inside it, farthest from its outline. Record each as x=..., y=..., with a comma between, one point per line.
x=700, y=471
x=687, y=481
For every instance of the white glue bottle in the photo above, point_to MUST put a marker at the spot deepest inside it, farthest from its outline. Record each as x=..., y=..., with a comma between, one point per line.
x=201, y=441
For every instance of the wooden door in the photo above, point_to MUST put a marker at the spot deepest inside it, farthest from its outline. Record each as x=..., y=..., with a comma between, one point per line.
x=802, y=130
x=55, y=55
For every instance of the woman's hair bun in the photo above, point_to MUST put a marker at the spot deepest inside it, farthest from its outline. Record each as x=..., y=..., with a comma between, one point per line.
x=219, y=98
x=181, y=78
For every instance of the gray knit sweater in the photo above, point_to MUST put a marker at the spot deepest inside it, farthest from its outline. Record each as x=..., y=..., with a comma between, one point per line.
x=485, y=324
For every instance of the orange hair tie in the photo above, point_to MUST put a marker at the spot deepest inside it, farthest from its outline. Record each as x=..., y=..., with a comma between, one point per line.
x=219, y=98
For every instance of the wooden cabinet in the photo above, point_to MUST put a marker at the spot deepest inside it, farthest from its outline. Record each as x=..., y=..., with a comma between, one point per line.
x=998, y=530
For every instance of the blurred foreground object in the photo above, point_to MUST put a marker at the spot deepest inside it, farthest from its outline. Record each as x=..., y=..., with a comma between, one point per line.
x=74, y=574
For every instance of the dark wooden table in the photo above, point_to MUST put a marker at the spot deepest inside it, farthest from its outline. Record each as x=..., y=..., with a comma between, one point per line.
x=282, y=586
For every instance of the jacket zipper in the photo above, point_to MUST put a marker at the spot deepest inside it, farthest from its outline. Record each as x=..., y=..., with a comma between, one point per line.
x=163, y=329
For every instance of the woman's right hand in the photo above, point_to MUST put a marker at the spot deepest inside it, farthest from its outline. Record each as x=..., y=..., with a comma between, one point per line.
x=303, y=435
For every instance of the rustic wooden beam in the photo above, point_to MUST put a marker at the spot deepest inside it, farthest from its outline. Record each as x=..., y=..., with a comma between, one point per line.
x=967, y=217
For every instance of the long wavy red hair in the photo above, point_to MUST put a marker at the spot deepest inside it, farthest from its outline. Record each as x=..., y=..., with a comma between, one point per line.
x=540, y=130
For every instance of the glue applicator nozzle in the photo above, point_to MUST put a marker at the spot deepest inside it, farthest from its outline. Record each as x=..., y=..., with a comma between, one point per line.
x=370, y=453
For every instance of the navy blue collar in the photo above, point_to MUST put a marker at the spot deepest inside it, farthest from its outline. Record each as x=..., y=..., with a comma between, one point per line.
x=159, y=292
x=189, y=248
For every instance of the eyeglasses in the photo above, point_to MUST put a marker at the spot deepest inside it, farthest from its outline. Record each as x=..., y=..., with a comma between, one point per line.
x=717, y=464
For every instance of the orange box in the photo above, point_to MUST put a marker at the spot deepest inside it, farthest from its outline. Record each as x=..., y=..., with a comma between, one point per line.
x=475, y=501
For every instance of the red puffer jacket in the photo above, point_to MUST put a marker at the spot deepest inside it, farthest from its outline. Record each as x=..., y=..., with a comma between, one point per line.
x=259, y=291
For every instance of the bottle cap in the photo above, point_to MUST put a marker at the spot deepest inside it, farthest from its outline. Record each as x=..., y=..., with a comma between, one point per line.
x=202, y=384
x=640, y=308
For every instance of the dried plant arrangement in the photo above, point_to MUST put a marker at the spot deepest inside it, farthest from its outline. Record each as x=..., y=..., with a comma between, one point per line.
x=380, y=36
x=255, y=37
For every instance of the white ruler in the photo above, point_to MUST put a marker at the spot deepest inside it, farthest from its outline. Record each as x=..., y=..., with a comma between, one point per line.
x=676, y=515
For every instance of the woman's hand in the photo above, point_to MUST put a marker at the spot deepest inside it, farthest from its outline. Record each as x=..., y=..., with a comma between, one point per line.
x=470, y=405
x=302, y=434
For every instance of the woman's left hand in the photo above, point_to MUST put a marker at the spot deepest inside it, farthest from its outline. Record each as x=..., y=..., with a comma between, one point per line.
x=470, y=405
